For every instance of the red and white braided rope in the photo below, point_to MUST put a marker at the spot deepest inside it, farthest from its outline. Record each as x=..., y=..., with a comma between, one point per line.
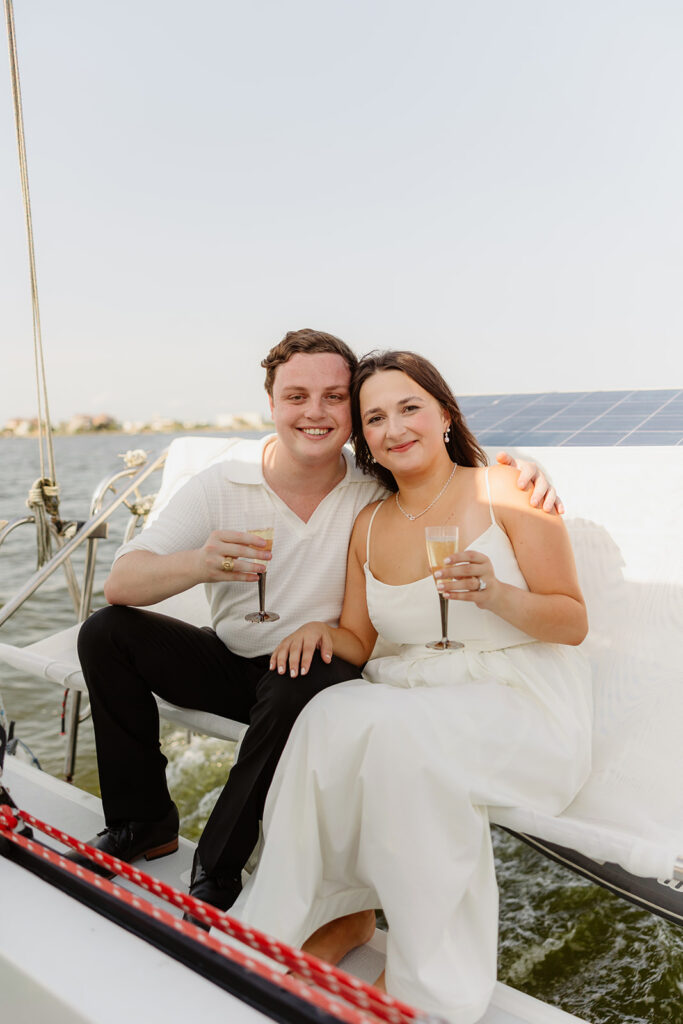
x=362, y=1002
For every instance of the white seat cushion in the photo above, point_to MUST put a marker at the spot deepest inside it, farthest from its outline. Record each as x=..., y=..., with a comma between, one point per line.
x=623, y=514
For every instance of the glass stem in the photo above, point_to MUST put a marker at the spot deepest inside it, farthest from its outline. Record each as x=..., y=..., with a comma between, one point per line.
x=443, y=607
x=262, y=593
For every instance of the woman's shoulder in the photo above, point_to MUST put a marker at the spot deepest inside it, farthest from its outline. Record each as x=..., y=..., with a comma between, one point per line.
x=504, y=477
x=359, y=534
x=363, y=518
x=502, y=480
x=508, y=497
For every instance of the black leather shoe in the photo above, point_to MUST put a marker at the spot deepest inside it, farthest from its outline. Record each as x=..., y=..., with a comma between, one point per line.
x=129, y=840
x=218, y=889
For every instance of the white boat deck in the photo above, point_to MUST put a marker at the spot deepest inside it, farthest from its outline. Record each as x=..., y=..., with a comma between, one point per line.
x=62, y=962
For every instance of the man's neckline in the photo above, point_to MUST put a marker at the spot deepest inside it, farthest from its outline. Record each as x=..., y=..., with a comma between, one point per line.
x=270, y=474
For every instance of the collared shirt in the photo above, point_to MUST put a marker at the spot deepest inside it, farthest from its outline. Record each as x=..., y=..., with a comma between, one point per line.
x=305, y=579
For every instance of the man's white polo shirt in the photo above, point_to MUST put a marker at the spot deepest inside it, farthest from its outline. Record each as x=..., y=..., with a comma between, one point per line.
x=308, y=569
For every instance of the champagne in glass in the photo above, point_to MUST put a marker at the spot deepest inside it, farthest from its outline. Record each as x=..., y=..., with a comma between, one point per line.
x=442, y=541
x=266, y=533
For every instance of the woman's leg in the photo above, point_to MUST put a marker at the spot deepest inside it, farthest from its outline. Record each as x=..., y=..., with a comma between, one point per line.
x=370, y=806
x=306, y=876
x=331, y=942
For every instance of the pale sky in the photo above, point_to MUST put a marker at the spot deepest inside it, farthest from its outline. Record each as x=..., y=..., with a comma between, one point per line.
x=494, y=183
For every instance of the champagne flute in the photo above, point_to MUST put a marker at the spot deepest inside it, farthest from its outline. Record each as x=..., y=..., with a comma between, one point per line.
x=266, y=533
x=442, y=541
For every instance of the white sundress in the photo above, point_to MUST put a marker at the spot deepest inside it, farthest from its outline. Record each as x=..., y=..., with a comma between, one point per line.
x=381, y=794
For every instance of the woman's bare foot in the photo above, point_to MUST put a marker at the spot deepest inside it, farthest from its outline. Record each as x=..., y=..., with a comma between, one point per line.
x=337, y=938
x=381, y=983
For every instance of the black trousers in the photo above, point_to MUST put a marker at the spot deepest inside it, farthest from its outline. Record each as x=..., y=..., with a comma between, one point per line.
x=128, y=655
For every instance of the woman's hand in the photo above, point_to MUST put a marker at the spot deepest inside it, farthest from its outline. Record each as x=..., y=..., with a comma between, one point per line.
x=227, y=555
x=299, y=647
x=469, y=576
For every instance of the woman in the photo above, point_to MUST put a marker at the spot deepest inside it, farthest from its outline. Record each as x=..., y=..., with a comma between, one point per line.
x=380, y=798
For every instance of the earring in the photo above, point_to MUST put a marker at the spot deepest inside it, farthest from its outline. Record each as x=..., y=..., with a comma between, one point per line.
x=447, y=435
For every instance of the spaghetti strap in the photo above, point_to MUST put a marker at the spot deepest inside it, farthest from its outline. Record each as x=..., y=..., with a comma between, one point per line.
x=488, y=491
x=367, y=542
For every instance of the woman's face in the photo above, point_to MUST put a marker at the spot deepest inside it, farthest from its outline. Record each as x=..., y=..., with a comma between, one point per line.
x=402, y=423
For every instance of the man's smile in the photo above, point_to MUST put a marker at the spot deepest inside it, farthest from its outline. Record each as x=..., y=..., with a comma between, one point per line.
x=316, y=431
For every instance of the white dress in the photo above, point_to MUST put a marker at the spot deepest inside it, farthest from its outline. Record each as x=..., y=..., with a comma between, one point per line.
x=381, y=794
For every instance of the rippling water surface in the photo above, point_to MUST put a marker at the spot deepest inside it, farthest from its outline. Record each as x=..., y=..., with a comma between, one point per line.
x=561, y=938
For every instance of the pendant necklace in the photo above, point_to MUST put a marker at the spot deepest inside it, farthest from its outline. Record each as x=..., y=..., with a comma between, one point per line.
x=409, y=515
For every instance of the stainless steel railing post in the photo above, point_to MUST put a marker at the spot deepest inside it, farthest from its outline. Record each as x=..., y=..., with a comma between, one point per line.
x=89, y=532
x=85, y=532
x=72, y=736
x=86, y=599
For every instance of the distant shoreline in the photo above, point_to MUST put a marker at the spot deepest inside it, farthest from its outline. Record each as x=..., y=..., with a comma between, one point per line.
x=149, y=431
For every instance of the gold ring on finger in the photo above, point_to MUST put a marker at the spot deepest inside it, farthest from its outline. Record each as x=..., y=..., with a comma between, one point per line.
x=228, y=564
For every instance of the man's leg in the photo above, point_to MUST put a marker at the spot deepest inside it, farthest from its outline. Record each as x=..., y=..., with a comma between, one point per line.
x=129, y=654
x=233, y=827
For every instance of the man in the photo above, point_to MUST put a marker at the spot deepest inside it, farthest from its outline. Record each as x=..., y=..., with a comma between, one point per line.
x=302, y=482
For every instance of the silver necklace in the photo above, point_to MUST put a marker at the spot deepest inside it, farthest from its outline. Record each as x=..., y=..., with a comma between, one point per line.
x=409, y=515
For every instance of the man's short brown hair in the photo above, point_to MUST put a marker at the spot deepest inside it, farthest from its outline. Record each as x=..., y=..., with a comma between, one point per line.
x=305, y=340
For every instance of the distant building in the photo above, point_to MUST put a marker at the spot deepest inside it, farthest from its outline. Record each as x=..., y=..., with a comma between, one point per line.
x=240, y=421
x=155, y=425
x=225, y=421
x=79, y=424
x=161, y=424
x=133, y=426
x=20, y=427
x=103, y=421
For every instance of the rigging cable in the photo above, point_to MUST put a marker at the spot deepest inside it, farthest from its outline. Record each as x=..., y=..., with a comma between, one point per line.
x=331, y=989
x=43, y=496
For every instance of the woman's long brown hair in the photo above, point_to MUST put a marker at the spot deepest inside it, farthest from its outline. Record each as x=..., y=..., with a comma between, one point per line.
x=462, y=446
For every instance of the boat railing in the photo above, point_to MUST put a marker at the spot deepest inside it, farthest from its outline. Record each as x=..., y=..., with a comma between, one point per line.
x=71, y=536
x=89, y=531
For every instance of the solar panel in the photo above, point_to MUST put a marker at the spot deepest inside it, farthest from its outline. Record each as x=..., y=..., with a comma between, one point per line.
x=577, y=418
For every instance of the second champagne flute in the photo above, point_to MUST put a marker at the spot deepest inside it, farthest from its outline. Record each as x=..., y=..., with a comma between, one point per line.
x=442, y=541
x=266, y=533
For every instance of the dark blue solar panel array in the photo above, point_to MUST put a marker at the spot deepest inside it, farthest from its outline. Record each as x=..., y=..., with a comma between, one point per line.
x=577, y=418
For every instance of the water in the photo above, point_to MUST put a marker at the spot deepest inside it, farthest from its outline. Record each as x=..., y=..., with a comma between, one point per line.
x=561, y=938
x=82, y=462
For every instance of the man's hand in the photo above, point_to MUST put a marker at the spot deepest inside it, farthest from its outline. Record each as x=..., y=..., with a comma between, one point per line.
x=544, y=493
x=227, y=555
x=141, y=578
x=299, y=647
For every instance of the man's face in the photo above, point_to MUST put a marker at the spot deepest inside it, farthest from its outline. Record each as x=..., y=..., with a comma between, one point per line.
x=310, y=406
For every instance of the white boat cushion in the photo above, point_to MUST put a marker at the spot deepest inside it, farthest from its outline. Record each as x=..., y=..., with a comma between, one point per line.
x=623, y=514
